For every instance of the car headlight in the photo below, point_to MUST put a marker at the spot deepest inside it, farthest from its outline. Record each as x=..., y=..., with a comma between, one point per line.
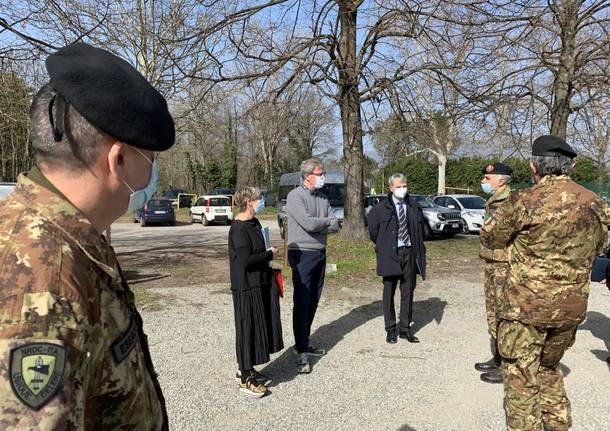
x=440, y=216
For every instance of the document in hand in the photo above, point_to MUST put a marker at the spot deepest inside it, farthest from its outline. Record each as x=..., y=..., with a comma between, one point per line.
x=600, y=267
x=266, y=237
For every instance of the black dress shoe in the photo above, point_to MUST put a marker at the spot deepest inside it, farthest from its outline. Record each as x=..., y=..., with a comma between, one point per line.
x=494, y=376
x=408, y=336
x=487, y=366
x=391, y=336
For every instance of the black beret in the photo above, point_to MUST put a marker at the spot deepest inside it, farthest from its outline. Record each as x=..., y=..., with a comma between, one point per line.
x=497, y=169
x=549, y=145
x=112, y=95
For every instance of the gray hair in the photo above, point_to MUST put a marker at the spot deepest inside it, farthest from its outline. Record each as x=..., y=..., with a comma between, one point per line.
x=506, y=178
x=309, y=165
x=397, y=176
x=243, y=195
x=552, y=165
x=81, y=143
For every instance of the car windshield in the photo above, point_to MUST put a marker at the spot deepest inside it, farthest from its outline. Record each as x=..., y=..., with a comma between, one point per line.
x=159, y=203
x=473, y=203
x=423, y=201
x=6, y=190
x=219, y=202
x=335, y=194
x=172, y=194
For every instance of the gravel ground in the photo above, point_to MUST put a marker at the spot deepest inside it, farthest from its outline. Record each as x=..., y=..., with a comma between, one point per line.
x=362, y=383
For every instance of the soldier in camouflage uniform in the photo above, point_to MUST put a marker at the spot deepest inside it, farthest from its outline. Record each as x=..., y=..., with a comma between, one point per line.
x=496, y=180
x=553, y=232
x=73, y=353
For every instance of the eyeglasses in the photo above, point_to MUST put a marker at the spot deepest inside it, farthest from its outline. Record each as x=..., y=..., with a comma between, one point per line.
x=317, y=175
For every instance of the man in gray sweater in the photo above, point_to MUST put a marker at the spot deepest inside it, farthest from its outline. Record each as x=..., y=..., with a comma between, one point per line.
x=310, y=219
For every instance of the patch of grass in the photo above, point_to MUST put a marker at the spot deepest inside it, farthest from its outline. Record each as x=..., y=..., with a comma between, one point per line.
x=355, y=262
x=145, y=299
x=221, y=291
x=269, y=213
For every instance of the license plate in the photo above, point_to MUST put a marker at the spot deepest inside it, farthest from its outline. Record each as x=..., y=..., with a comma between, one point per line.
x=455, y=225
x=159, y=212
x=221, y=211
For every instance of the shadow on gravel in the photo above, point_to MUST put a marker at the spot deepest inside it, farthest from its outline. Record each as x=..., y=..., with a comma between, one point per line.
x=599, y=325
x=406, y=427
x=424, y=312
x=135, y=277
x=283, y=368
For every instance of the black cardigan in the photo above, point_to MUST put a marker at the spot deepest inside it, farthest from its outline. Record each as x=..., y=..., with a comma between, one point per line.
x=248, y=259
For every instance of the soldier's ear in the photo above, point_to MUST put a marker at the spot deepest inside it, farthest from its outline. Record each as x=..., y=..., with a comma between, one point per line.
x=116, y=161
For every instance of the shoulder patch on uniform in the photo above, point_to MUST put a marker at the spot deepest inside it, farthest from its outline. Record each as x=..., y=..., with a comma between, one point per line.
x=36, y=371
x=126, y=342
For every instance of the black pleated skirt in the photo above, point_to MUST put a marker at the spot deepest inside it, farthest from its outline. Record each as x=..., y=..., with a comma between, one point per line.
x=258, y=327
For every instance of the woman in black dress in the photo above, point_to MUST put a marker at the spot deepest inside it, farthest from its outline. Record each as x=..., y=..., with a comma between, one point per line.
x=258, y=328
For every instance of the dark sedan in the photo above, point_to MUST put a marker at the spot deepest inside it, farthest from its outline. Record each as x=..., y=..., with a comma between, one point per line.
x=156, y=211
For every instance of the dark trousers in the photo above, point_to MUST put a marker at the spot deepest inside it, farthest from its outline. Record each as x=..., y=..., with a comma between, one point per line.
x=407, y=286
x=308, y=269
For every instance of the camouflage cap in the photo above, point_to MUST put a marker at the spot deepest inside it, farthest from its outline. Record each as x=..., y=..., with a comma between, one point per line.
x=549, y=145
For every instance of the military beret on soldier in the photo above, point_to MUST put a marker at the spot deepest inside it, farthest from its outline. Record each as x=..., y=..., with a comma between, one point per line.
x=549, y=145
x=497, y=169
x=111, y=94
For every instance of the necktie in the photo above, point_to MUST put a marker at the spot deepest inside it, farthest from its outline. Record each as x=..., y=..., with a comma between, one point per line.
x=403, y=231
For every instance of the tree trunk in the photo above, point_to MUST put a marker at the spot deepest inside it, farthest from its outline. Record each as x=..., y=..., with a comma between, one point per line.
x=442, y=168
x=567, y=17
x=351, y=123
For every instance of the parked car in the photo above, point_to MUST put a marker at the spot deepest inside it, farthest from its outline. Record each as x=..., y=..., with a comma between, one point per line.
x=212, y=208
x=156, y=210
x=472, y=208
x=268, y=198
x=6, y=189
x=334, y=190
x=172, y=196
x=369, y=202
x=441, y=221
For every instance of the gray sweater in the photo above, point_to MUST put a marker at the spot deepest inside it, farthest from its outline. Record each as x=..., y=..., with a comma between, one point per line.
x=310, y=219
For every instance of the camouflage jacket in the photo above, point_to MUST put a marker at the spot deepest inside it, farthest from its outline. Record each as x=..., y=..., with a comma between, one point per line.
x=73, y=354
x=553, y=232
x=494, y=255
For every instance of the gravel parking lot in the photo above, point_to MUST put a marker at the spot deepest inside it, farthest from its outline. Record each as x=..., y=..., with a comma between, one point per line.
x=362, y=383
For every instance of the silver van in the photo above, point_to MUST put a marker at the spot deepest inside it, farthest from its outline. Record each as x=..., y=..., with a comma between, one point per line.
x=334, y=190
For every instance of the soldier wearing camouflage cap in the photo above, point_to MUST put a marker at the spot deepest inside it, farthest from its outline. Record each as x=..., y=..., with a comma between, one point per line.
x=73, y=353
x=553, y=232
x=496, y=182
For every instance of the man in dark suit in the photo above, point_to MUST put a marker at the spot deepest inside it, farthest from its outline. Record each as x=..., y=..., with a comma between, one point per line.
x=396, y=228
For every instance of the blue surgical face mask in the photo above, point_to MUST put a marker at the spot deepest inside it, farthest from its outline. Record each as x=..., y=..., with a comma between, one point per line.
x=260, y=207
x=138, y=198
x=487, y=188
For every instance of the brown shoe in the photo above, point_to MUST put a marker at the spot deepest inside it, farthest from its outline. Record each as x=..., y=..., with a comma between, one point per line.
x=252, y=389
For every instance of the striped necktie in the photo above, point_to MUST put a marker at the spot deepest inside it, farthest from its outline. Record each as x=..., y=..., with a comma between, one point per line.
x=403, y=230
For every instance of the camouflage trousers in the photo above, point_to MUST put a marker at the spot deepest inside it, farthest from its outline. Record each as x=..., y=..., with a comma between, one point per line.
x=533, y=381
x=496, y=275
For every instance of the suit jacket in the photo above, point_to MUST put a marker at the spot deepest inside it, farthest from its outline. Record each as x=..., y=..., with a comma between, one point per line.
x=383, y=231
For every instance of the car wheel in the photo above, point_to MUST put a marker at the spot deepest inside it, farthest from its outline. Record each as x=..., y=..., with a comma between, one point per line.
x=427, y=231
x=465, y=227
x=228, y=222
x=172, y=223
x=204, y=220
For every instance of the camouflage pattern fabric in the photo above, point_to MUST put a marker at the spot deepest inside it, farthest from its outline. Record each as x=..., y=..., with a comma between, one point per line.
x=496, y=266
x=73, y=354
x=496, y=274
x=533, y=381
x=553, y=232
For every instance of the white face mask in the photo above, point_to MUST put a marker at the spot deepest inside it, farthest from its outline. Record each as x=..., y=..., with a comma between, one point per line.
x=320, y=182
x=400, y=192
x=138, y=198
